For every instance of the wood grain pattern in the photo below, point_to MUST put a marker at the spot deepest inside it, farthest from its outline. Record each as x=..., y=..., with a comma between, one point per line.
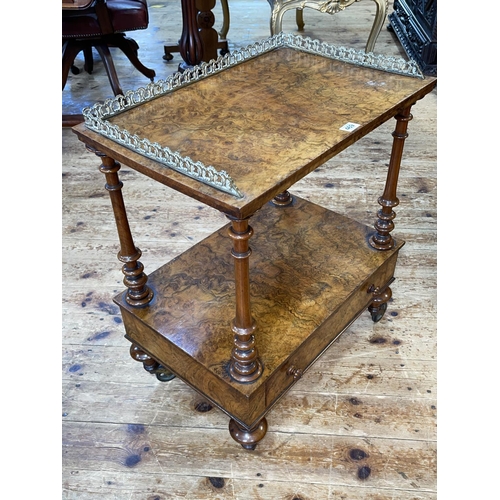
x=310, y=274
x=283, y=109
x=104, y=390
x=161, y=451
x=116, y=484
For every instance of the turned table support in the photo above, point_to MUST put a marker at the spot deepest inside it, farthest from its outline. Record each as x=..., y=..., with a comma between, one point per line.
x=139, y=294
x=245, y=366
x=199, y=40
x=382, y=239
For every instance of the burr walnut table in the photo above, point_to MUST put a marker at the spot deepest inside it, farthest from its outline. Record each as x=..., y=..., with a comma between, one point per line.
x=242, y=323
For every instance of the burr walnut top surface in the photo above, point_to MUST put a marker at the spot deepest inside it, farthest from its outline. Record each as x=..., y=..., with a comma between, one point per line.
x=267, y=122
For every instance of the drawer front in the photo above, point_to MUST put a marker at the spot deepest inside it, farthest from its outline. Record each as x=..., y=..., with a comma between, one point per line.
x=326, y=334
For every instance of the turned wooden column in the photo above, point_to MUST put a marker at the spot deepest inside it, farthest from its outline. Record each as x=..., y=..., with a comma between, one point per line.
x=382, y=239
x=138, y=294
x=209, y=36
x=245, y=365
x=190, y=44
x=199, y=40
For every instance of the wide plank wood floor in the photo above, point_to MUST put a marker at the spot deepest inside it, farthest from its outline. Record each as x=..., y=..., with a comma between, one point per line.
x=361, y=424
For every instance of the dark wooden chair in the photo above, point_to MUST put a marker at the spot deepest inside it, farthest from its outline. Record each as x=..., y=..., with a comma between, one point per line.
x=101, y=24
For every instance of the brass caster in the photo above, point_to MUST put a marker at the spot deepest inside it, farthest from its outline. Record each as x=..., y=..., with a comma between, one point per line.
x=164, y=375
x=378, y=312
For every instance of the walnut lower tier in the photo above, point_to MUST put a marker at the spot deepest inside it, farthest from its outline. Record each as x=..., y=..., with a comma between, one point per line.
x=311, y=270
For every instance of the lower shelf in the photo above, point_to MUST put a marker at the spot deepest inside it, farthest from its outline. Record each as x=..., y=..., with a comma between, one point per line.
x=312, y=273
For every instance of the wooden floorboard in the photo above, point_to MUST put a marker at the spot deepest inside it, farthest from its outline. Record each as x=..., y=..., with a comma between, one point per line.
x=361, y=424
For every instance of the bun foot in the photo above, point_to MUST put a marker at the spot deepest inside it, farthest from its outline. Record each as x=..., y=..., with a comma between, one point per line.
x=151, y=365
x=248, y=438
x=380, y=298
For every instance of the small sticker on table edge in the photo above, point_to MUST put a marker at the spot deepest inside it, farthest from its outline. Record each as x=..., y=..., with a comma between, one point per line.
x=349, y=126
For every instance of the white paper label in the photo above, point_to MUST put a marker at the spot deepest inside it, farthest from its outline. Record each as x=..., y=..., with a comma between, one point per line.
x=349, y=127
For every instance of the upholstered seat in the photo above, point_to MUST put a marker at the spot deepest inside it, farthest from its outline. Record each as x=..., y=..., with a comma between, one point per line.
x=102, y=25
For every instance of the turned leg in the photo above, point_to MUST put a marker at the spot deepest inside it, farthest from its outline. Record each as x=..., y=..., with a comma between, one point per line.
x=248, y=438
x=190, y=43
x=150, y=365
x=381, y=297
x=199, y=40
x=245, y=366
x=382, y=239
x=208, y=34
x=138, y=294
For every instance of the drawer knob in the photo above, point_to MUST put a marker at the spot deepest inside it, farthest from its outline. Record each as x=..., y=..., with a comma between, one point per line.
x=375, y=290
x=296, y=373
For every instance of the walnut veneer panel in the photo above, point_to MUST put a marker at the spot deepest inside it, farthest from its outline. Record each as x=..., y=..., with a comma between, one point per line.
x=268, y=122
x=310, y=268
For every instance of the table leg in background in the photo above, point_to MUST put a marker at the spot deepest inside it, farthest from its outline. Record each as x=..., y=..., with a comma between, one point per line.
x=382, y=239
